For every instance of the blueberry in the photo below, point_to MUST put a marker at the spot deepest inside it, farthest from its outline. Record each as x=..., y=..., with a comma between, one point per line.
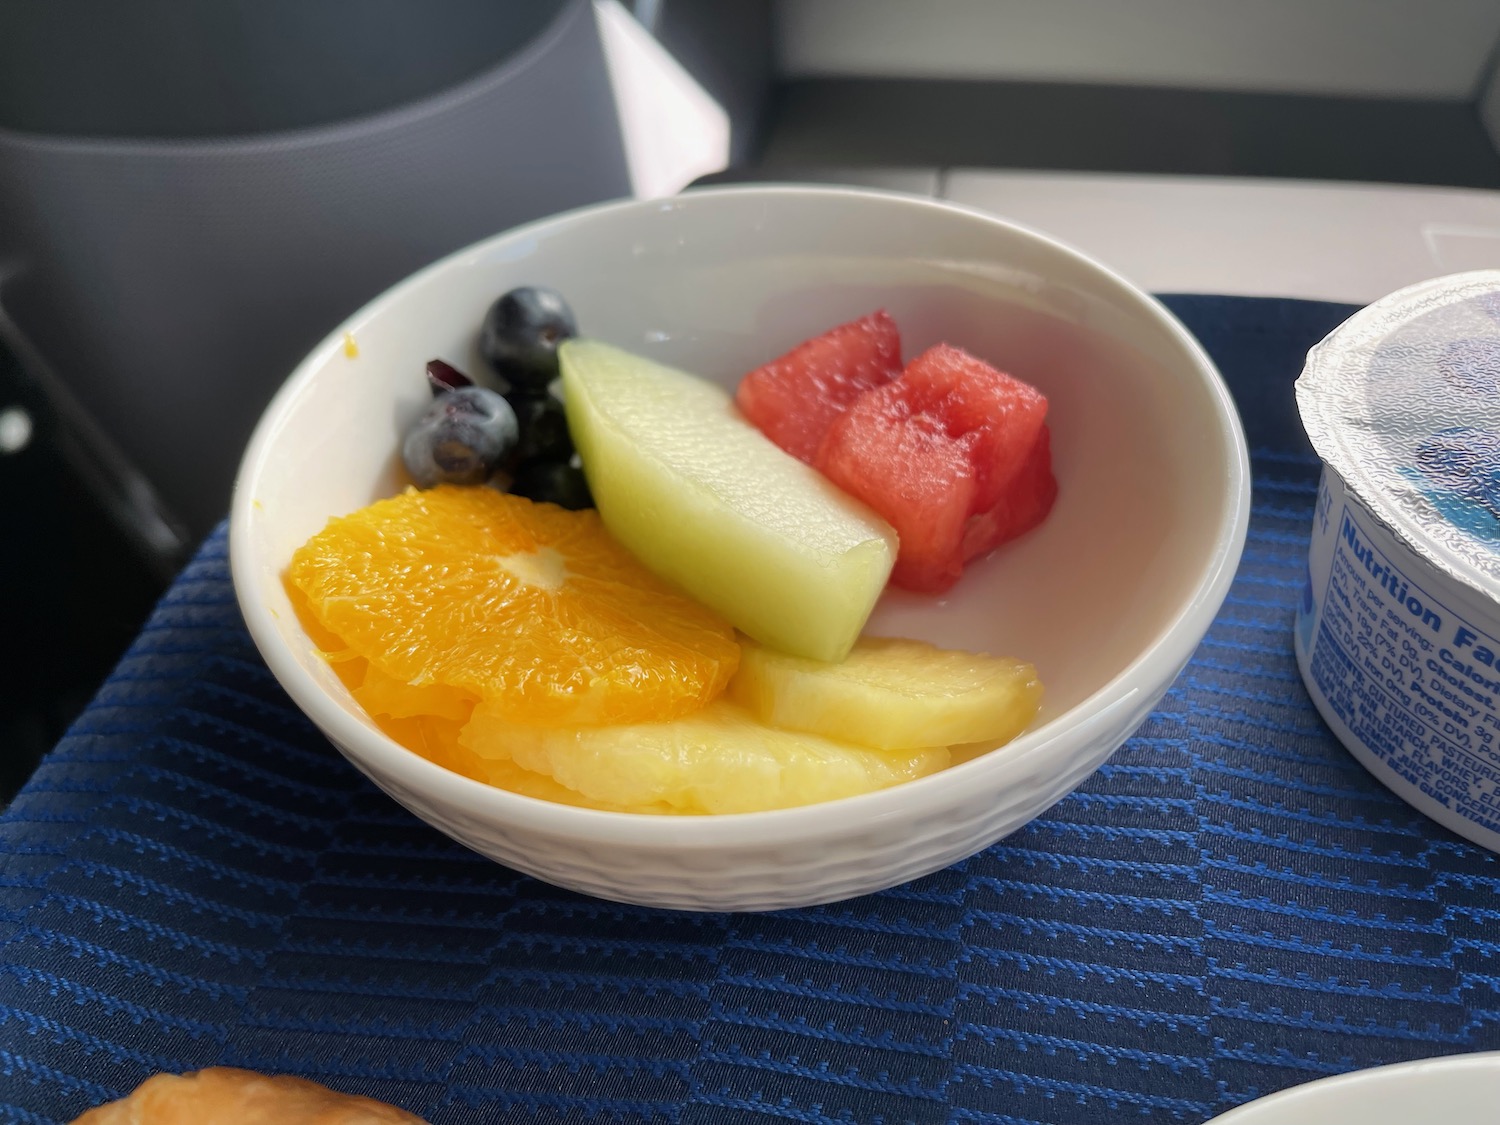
x=553, y=482
x=461, y=439
x=444, y=377
x=544, y=428
x=521, y=334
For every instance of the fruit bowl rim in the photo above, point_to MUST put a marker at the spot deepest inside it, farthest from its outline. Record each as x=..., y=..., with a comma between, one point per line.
x=1106, y=712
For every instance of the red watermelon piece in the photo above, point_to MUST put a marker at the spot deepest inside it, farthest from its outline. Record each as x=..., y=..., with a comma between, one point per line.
x=952, y=454
x=793, y=400
x=1023, y=505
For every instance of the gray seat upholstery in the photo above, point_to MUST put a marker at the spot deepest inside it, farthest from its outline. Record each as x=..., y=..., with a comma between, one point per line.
x=172, y=282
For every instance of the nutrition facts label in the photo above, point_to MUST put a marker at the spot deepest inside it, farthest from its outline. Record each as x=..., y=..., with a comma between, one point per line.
x=1409, y=677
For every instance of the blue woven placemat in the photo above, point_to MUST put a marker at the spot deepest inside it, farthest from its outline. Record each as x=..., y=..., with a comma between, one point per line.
x=1229, y=907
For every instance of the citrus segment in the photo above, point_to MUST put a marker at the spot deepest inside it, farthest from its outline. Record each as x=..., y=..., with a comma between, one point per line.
x=425, y=735
x=382, y=694
x=330, y=645
x=891, y=694
x=531, y=607
x=717, y=760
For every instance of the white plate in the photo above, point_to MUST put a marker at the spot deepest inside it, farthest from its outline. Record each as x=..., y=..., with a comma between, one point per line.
x=1455, y=1090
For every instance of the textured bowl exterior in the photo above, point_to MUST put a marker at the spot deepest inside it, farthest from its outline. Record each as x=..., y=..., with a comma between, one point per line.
x=850, y=858
x=290, y=483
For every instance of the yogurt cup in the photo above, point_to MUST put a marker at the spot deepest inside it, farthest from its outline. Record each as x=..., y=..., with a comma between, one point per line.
x=1398, y=630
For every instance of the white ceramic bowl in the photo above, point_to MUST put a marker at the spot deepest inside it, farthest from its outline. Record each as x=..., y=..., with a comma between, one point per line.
x=1453, y=1089
x=1109, y=598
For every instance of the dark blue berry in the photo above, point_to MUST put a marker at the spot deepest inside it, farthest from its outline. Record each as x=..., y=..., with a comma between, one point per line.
x=521, y=334
x=544, y=428
x=553, y=482
x=461, y=439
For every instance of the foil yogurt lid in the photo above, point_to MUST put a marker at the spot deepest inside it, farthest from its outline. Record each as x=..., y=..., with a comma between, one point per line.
x=1403, y=402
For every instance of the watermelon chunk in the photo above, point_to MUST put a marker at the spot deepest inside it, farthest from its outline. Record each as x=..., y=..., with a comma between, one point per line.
x=952, y=454
x=793, y=400
x=1023, y=505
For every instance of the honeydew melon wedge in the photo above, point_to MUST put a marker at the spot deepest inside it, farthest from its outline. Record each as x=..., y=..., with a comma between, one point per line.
x=702, y=498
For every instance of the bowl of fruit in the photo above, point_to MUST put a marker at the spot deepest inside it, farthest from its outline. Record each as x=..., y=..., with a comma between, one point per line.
x=756, y=548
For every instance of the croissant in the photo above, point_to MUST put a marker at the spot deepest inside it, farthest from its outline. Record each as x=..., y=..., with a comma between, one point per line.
x=222, y=1095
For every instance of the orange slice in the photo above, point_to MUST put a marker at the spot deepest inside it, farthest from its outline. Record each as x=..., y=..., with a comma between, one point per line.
x=380, y=693
x=530, y=607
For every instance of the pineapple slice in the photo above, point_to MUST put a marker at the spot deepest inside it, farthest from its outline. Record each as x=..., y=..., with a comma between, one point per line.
x=436, y=739
x=716, y=760
x=890, y=694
